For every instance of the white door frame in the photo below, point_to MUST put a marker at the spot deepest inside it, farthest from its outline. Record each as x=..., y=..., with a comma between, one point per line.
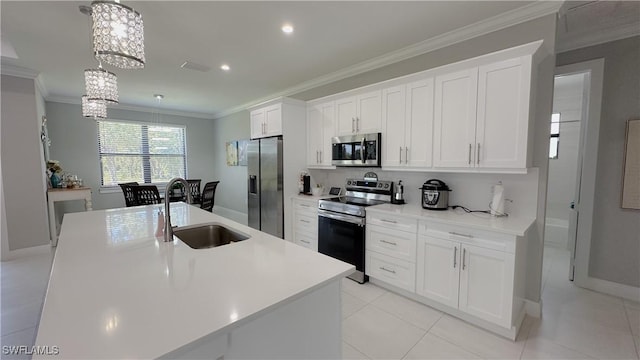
x=590, y=131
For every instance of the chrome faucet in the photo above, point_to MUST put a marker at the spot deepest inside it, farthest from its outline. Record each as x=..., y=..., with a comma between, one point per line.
x=168, y=229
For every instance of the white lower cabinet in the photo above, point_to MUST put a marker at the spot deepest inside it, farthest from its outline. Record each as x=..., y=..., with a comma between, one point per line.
x=305, y=223
x=391, y=250
x=477, y=279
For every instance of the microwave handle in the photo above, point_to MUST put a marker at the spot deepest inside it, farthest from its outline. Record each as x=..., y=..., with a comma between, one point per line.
x=362, y=151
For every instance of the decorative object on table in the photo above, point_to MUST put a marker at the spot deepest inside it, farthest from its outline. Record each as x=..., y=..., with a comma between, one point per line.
x=118, y=34
x=631, y=175
x=242, y=152
x=232, y=153
x=54, y=170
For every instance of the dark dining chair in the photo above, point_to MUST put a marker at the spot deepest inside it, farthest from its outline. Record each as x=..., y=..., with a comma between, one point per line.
x=194, y=189
x=127, y=191
x=208, y=195
x=147, y=194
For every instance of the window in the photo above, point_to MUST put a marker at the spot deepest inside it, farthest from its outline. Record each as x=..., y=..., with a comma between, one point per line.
x=554, y=143
x=145, y=153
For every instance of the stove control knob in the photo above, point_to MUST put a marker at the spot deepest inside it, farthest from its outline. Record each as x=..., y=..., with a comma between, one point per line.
x=386, y=186
x=349, y=182
x=379, y=185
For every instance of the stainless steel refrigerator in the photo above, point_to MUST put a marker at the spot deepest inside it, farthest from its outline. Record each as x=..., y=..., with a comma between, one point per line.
x=265, y=195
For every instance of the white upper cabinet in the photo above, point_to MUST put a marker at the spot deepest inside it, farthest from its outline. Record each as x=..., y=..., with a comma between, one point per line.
x=266, y=121
x=360, y=114
x=503, y=113
x=482, y=116
x=407, y=117
x=455, y=119
x=320, y=130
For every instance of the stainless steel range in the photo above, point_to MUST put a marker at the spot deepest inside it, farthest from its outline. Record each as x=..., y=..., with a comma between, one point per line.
x=341, y=221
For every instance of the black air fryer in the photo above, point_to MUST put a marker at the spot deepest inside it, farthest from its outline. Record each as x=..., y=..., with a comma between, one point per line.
x=435, y=195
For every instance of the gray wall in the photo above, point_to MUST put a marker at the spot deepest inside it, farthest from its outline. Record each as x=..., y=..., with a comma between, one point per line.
x=615, y=242
x=23, y=178
x=74, y=144
x=232, y=190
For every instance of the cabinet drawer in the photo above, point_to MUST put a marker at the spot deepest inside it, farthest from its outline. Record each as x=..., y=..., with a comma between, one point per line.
x=466, y=235
x=309, y=208
x=306, y=224
x=398, y=244
x=392, y=221
x=305, y=240
x=394, y=271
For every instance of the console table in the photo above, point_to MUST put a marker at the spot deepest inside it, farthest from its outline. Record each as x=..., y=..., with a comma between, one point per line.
x=61, y=194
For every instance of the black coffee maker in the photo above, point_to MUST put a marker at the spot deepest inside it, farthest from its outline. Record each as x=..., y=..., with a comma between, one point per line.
x=398, y=194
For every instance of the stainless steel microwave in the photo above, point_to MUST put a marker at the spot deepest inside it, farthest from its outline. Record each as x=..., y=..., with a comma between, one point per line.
x=356, y=150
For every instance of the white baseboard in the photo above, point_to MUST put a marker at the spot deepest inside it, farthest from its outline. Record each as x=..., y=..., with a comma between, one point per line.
x=30, y=251
x=234, y=215
x=613, y=288
x=533, y=308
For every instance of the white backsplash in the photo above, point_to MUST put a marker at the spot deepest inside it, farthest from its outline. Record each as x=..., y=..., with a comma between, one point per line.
x=473, y=191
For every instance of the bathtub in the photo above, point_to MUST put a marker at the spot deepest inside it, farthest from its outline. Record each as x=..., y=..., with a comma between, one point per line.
x=556, y=232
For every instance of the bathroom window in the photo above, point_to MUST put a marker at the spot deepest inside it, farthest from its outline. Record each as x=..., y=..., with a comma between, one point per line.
x=142, y=152
x=554, y=143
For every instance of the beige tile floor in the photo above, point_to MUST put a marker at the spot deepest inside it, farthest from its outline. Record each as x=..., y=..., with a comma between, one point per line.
x=576, y=323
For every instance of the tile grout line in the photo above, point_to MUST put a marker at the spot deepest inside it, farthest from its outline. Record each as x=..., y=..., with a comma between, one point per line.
x=457, y=345
x=526, y=340
x=633, y=337
x=425, y=334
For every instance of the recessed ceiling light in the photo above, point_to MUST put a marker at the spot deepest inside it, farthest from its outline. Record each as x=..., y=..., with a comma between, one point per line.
x=287, y=28
x=158, y=96
x=225, y=67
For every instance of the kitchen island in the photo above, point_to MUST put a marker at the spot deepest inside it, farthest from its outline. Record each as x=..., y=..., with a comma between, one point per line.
x=117, y=291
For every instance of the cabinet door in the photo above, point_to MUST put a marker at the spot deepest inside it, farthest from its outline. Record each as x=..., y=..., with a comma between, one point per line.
x=314, y=135
x=273, y=120
x=486, y=284
x=257, y=123
x=369, y=113
x=328, y=131
x=438, y=270
x=503, y=114
x=419, y=124
x=393, y=118
x=455, y=119
x=346, y=116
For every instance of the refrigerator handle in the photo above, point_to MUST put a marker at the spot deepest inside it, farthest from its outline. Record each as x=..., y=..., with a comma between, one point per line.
x=253, y=184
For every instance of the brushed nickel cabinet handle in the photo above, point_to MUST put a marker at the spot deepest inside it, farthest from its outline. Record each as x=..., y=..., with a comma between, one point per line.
x=478, y=154
x=357, y=124
x=464, y=261
x=304, y=241
x=305, y=221
x=469, y=154
x=387, y=270
x=455, y=256
x=389, y=221
x=320, y=156
x=388, y=242
x=406, y=155
x=353, y=125
x=463, y=235
x=400, y=155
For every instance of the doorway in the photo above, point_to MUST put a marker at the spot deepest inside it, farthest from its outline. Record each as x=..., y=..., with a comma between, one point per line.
x=571, y=184
x=569, y=102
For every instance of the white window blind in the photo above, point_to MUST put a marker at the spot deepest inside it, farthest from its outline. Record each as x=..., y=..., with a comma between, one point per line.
x=145, y=153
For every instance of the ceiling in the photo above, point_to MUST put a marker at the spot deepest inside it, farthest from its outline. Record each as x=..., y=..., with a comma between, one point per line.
x=53, y=38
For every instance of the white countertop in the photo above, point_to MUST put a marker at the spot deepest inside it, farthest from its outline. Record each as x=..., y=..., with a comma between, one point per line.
x=506, y=225
x=312, y=197
x=117, y=292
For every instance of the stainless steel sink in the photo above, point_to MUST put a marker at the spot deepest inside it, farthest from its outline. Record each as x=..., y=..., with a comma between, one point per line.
x=205, y=236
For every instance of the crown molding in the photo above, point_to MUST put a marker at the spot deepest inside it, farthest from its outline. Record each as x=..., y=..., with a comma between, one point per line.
x=17, y=71
x=121, y=106
x=495, y=23
x=40, y=85
x=597, y=37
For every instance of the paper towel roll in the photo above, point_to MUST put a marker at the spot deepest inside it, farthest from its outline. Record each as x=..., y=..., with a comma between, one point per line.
x=497, y=203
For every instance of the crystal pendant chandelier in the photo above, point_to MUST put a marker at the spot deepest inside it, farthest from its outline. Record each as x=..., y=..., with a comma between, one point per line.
x=118, y=34
x=101, y=84
x=95, y=108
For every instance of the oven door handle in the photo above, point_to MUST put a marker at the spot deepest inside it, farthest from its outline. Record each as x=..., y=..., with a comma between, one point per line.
x=341, y=217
